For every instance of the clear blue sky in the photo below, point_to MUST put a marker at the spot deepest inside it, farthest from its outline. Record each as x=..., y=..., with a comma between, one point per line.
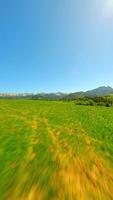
x=55, y=45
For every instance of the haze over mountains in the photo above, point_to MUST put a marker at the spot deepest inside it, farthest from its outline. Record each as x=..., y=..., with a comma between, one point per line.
x=100, y=91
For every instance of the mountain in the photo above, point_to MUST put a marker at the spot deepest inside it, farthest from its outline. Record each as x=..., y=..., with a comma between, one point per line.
x=72, y=96
x=100, y=91
x=50, y=96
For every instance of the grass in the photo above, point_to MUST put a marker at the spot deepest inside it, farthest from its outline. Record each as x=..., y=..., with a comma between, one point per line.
x=55, y=151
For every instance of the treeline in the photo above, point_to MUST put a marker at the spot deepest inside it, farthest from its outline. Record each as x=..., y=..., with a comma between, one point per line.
x=84, y=100
x=95, y=101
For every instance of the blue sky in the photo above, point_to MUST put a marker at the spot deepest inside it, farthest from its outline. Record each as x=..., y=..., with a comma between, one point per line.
x=55, y=45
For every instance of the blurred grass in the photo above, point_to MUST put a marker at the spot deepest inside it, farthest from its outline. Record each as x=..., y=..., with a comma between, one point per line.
x=55, y=150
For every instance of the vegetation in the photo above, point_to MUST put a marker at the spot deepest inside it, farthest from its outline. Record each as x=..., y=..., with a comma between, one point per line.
x=55, y=151
x=95, y=101
x=98, y=92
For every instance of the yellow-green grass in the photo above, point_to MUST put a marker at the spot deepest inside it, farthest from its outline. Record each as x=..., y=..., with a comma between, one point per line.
x=55, y=151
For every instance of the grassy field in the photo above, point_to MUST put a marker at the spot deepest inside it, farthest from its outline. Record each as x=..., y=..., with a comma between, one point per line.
x=55, y=151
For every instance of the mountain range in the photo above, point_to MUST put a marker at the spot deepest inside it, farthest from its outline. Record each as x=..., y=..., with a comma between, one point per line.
x=100, y=91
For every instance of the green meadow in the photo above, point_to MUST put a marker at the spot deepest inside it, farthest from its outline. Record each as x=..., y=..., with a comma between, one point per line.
x=55, y=151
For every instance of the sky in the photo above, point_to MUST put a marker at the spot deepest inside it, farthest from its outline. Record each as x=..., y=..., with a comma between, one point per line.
x=51, y=46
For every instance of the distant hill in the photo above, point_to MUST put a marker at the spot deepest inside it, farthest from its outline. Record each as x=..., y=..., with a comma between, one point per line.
x=50, y=96
x=100, y=91
x=38, y=96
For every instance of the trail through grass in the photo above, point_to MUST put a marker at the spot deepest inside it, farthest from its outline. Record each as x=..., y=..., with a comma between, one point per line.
x=55, y=151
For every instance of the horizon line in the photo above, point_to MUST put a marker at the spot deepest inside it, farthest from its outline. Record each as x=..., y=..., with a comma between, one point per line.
x=50, y=92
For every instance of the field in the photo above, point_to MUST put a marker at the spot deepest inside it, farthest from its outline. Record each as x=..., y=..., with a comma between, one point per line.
x=55, y=151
